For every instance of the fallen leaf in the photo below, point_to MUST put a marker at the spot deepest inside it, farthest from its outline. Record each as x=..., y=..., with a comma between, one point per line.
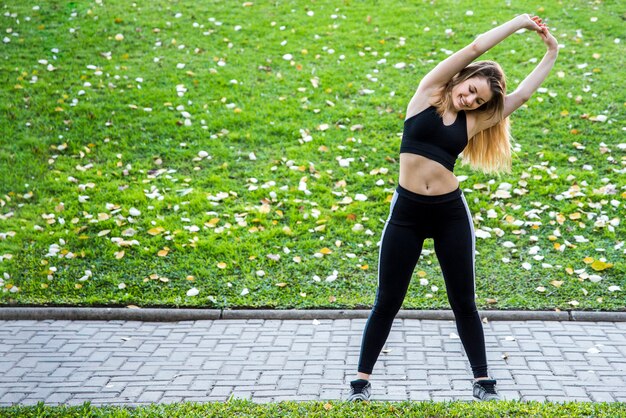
x=156, y=231
x=600, y=265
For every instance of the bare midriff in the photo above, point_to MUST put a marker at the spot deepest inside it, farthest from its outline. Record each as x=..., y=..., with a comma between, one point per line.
x=424, y=176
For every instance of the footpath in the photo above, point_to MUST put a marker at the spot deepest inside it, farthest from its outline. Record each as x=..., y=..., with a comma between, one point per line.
x=134, y=362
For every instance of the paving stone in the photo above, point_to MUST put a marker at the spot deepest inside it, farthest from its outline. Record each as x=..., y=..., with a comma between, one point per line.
x=269, y=360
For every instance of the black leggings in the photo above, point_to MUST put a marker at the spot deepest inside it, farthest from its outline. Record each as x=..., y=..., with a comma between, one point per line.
x=413, y=218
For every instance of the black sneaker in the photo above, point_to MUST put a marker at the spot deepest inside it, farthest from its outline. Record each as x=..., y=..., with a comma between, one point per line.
x=360, y=390
x=485, y=390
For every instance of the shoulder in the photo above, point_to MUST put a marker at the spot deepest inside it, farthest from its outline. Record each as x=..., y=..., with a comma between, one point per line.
x=422, y=99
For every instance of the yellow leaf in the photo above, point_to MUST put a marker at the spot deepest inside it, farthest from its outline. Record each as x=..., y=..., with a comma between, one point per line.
x=119, y=254
x=560, y=219
x=552, y=238
x=154, y=276
x=575, y=215
x=190, y=278
x=569, y=270
x=326, y=251
x=332, y=299
x=491, y=301
x=212, y=221
x=44, y=285
x=556, y=283
x=103, y=232
x=221, y=265
x=328, y=406
x=365, y=267
x=588, y=260
x=163, y=252
x=557, y=245
x=78, y=286
x=600, y=265
x=421, y=273
x=156, y=231
x=281, y=284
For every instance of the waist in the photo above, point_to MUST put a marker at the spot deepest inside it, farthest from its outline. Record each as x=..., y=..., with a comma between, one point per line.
x=420, y=198
x=424, y=176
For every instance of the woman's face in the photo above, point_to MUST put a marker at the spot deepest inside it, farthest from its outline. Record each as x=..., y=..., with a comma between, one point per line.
x=471, y=94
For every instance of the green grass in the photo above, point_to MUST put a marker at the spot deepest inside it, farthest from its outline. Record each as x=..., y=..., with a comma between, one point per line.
x=107, y=123
x=240, y=408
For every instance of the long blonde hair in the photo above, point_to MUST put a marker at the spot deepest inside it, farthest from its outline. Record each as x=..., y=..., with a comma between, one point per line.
x=489, y=150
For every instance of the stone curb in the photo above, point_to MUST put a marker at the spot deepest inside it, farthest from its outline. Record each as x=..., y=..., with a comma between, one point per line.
x=172, y=315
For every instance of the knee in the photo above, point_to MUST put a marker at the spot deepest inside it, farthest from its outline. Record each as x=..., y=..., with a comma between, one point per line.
x=464, y=306
x=386, y=308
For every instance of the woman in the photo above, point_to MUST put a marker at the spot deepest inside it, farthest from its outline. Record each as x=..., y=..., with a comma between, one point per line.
x=459, y=106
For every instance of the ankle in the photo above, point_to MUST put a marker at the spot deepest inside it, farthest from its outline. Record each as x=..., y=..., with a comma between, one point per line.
x=363, y=376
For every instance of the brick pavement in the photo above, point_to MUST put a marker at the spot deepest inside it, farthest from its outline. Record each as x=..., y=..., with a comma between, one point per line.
x=117, y=362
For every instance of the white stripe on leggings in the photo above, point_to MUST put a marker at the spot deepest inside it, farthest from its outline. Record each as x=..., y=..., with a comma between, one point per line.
x=471, y=223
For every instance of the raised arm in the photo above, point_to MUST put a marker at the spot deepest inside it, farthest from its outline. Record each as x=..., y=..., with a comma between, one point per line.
x=532, y=82
x=449, y=67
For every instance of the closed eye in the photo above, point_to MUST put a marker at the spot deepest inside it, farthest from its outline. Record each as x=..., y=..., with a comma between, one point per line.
x=479, y=101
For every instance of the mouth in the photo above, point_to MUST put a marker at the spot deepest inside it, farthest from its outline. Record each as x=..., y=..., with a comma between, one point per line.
x=463, y=104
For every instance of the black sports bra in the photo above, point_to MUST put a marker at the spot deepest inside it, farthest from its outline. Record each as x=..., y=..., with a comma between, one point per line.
x=425, y=134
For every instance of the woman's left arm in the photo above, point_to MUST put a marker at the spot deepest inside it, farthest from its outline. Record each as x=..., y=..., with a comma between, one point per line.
x=532, y=82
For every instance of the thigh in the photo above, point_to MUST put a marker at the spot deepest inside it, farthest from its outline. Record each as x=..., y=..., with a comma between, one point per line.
x=455, y=247
x=400, y=248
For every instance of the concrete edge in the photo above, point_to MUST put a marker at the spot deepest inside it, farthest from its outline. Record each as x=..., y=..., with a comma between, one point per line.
x=173, y=315
x=108, y=314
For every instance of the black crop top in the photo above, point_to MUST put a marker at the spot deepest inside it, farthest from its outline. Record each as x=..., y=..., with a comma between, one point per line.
x=425, y=134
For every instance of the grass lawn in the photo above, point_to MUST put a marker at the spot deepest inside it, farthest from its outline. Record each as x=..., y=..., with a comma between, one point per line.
x=332, y=409
x=243, y=154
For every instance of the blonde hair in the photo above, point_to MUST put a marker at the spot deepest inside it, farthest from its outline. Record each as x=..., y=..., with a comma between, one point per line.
x=490, y=149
